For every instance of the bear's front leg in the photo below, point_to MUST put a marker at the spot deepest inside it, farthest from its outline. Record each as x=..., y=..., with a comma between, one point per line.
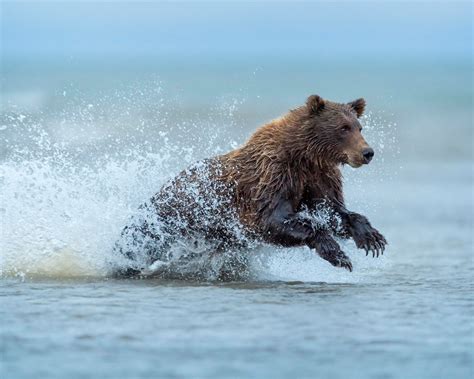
x=365, y=236
x=328, y=249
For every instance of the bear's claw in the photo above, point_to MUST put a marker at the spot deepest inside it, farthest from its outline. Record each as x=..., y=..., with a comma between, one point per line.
x=341, y=260
x=329, y=250
x=372, y=241
x=345, y=262
x=338, y=259
x=368, y=238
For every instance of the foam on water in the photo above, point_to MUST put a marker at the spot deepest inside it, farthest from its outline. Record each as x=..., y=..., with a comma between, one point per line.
x=71, y=178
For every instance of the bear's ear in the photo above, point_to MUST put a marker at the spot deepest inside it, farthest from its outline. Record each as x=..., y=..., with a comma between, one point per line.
x=315, y=104
x=358, y=105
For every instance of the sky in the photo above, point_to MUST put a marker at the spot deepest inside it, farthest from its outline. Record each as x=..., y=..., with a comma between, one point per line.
x=327, y=29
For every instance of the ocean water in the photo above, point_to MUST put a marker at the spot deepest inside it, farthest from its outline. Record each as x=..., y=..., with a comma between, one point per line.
x=83, y=146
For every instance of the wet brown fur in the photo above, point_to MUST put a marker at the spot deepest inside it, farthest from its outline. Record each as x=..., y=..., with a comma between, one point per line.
x=297, y=155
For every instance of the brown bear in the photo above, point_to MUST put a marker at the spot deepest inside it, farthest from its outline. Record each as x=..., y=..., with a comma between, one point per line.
x=282, y=187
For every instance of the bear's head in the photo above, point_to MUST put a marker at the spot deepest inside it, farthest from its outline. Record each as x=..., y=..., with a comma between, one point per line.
x=334, y=132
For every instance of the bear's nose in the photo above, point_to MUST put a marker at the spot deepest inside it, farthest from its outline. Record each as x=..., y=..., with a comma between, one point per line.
x=368, y=154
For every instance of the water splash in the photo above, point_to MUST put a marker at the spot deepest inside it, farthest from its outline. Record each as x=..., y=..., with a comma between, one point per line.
x=71, y=177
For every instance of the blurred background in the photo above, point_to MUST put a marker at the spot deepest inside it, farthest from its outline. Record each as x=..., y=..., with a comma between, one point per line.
x=411, y=60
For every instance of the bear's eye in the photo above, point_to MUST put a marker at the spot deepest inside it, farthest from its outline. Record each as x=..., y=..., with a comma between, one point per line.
x=346, y=128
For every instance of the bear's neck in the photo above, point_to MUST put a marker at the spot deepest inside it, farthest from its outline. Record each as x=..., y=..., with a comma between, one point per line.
x=286, y=138
x=284, y=141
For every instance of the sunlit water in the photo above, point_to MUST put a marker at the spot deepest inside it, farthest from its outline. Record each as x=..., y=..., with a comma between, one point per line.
x=76, y=165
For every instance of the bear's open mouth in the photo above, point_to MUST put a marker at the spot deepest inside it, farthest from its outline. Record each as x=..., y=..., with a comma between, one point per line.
x=354, y=163
x=346, y=160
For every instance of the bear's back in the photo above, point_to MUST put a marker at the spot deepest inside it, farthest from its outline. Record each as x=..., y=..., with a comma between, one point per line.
x=199, y=201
